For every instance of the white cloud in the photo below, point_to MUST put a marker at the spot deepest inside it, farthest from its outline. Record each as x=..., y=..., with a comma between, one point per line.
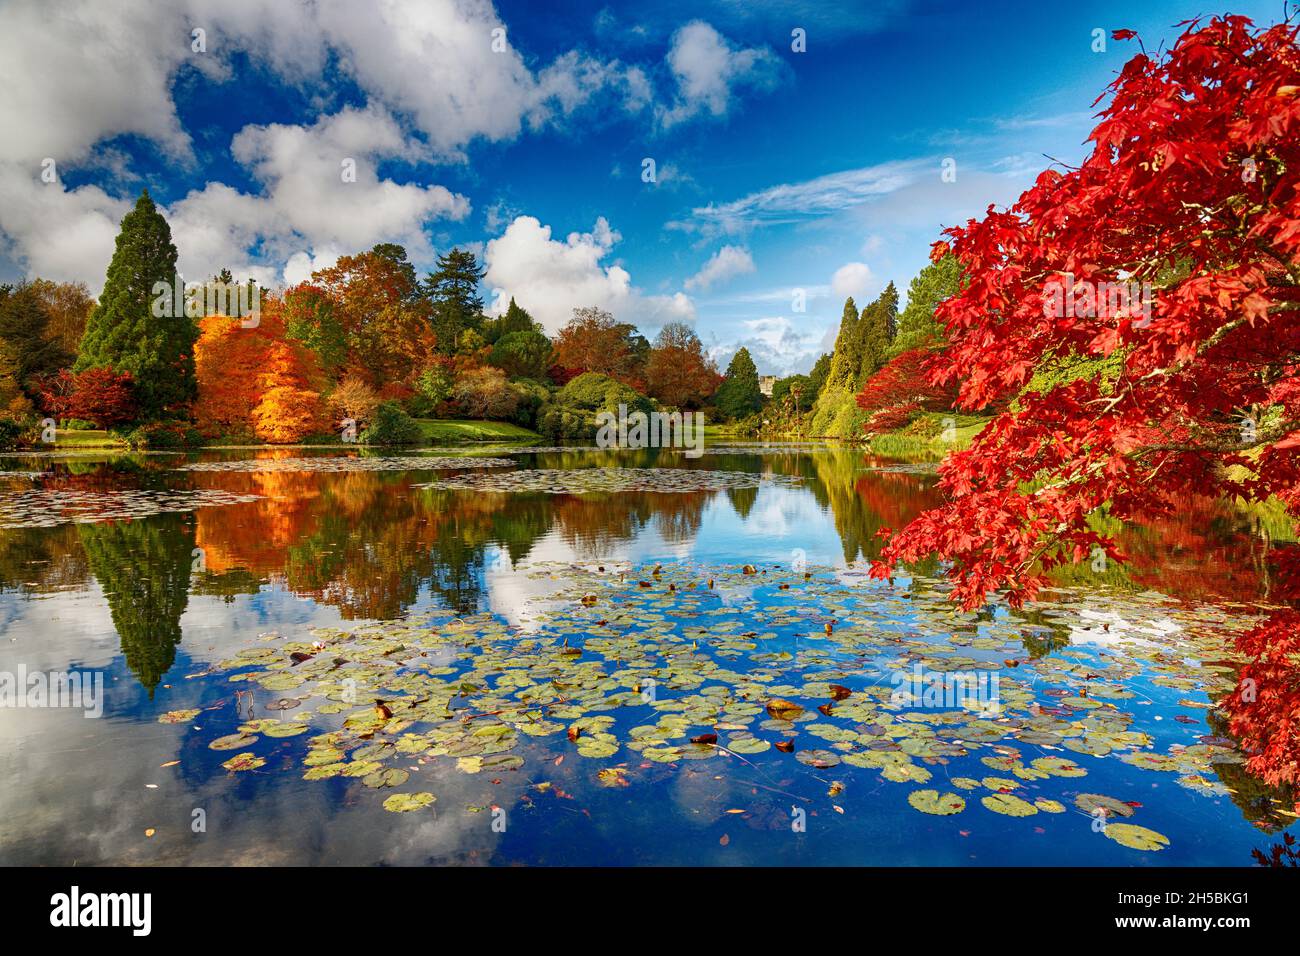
x=727, y=263
x=813, y=198
x=74, y=74
x=707, y=70
x=778, y=344
x=65, y=235
x=551, y=277
x=304, y=214
x=853, y=279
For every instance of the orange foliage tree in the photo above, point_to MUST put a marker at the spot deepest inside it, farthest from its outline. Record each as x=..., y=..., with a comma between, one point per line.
x=254, y=381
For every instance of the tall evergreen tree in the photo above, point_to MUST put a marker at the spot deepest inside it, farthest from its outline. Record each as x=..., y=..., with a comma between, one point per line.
x=739, y=395
x=846, y=357
x=933, y=284
x=876, y=327
x=817, y=377
x=453, y=290
x=515, y=319
x=123, y=333
x=25, y=342
x=144, y=570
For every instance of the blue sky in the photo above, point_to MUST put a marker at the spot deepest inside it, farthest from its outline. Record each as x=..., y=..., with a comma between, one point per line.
x=775, y=170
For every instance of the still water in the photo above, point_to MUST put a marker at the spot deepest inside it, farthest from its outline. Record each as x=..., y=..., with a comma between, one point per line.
x=605, y=658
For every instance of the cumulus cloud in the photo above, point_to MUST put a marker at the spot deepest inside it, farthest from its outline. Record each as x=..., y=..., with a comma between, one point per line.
x=708, y=70
x=725, y=264
x=304, y=215
x=853, y=279
x=437, y=75
x=551, y=277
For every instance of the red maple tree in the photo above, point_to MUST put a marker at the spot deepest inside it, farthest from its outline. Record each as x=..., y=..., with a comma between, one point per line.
x=902, y=388
x=1192, y=186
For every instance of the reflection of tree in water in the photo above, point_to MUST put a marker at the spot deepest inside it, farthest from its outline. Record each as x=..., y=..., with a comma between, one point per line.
x=143, y=568
x=742, y=499
x=41, y=560
x=1269, y=808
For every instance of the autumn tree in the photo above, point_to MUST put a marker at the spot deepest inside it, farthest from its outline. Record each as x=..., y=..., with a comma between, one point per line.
x=1195, y=164
x=593, y=341
x=375, y=300
x=68, y=305
x=678, y=372
x=102, y=396
x=901, y=389
x=256, y=382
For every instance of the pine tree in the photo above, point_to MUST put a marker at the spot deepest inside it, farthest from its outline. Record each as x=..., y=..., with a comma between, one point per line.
x=453, y=289
x=876, y=328
x=933, y=284
x=123, y=333
x=739, y=394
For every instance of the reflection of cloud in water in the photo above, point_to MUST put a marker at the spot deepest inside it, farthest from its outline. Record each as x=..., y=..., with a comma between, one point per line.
x=1100, y=628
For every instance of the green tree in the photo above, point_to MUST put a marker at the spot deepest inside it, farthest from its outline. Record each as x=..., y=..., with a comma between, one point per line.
x=522, y=354
x=143, y=568
x=876, y=328
x=25, y=342
x=515, y=319
x=124, y=332
x=817, y=377
x=739, y=395
x=933, y=284
x=453, y=290
x=846, y=359
x=795, y=392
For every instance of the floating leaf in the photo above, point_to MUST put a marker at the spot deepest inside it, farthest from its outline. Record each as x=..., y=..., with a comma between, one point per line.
x=1009, y=805
x=939, y=804
x=1135, y=837
x=406, y=802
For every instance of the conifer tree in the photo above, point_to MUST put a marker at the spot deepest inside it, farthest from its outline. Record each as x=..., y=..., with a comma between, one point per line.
x=876, y=328
x=739, y=394
x=124, y=333
x=846, y=357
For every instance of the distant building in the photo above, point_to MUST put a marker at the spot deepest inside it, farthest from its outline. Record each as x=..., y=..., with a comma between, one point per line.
x=765, y=383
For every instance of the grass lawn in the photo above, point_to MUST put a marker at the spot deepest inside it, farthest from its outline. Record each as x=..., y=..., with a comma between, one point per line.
x=86, y=438
x=925, y=436
x=461, y=429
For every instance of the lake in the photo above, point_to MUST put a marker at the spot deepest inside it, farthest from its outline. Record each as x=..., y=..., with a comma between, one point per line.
x=583, y=657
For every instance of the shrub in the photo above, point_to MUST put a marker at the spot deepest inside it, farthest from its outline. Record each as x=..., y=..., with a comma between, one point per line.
x=11, y=433
x=390, y=425
x=353, y=398
x=164, y=435
x=485, y=393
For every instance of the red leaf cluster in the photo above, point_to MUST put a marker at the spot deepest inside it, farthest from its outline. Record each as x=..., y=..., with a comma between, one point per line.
x=1192, y=186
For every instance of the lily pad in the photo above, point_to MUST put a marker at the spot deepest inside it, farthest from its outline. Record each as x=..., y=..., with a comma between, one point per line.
x=939, y=804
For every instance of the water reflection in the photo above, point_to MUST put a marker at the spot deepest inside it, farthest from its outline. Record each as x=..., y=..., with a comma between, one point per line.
x=352, y=546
